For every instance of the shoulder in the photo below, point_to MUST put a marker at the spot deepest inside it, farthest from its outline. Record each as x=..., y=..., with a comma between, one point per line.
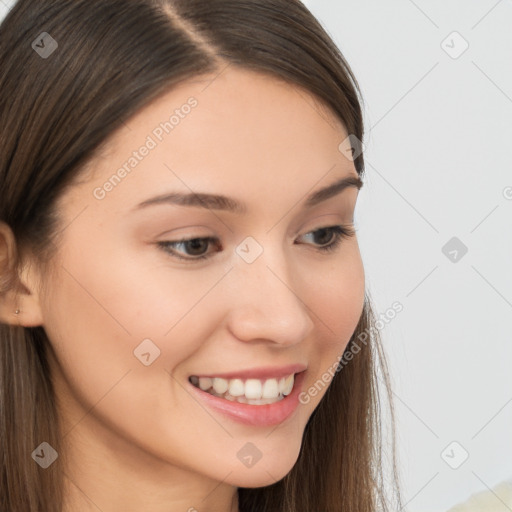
x=488, y=501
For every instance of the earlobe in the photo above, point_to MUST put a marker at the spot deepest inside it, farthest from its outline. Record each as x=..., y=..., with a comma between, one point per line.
x=28, y=300
x=19, y=297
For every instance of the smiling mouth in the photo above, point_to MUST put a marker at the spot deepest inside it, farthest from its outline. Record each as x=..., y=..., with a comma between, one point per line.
x=246, y=391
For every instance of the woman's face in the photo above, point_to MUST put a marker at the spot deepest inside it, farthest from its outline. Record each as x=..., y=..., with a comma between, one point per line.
x=255, y=297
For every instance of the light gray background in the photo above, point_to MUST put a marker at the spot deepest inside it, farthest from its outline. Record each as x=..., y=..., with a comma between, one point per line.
x=438, y=163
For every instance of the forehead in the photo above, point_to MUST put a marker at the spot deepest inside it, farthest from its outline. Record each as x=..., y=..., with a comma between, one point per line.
x=226, y=132
x=237, y=102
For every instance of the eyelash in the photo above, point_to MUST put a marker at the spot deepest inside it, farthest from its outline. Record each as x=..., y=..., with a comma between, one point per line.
x=340, y=232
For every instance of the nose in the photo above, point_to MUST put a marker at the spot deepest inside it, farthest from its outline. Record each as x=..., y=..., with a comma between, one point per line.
x=265, y=305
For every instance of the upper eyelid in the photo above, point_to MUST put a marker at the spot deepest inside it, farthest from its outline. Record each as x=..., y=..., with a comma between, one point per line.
x=216, y=241
x=341, y=231
x=323, y=224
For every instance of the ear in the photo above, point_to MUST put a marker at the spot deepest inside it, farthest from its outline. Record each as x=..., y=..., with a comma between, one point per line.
x=17, y=291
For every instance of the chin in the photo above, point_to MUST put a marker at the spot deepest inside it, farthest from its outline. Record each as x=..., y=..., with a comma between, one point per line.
x=263, y=475
x=260, y=479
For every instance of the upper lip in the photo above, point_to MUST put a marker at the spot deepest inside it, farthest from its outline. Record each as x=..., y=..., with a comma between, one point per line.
x=258, y=373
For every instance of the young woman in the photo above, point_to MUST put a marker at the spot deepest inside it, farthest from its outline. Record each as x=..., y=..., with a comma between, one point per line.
x=184, y=323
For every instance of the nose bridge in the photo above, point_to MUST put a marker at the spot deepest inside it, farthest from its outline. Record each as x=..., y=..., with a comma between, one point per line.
x=265, y=304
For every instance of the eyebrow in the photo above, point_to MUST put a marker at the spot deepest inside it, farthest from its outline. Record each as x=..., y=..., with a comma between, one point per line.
x=220, y=202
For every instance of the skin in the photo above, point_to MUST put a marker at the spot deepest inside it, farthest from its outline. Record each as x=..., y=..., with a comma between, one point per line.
x=135, y=438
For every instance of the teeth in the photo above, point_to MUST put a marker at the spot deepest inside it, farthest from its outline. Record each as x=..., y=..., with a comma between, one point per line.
x=252, y=391
x=288, y=385
x=205, y=383
x=220, y=385
x=236, y=387
x=270, y=388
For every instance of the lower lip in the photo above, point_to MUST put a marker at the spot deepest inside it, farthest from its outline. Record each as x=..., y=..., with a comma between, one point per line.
x=256, y=415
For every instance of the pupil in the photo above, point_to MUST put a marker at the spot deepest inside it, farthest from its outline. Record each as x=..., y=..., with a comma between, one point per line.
x=195, y=243
x=324, y=231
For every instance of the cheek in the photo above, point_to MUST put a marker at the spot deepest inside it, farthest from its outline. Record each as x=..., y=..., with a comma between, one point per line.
x=336, y=303
x=337, y=297
x=108, y=303
x=97, y=313
x=101, y=305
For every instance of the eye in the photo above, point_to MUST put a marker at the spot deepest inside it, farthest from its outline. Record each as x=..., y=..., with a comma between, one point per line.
x=331, y=236
x=326, y=239
x=196, y=246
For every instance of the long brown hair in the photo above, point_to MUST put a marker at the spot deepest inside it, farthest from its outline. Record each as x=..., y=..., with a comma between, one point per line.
x=111, y=58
